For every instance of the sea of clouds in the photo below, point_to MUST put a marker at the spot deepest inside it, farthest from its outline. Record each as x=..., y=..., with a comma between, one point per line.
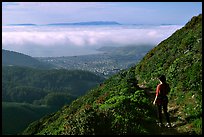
x=44, y=41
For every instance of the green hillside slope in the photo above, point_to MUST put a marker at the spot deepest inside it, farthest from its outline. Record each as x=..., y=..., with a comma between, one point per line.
x=180, y=58
x=11, y=58
x=119, y=106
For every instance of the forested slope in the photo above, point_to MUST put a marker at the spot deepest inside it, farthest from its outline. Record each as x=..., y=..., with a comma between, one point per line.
x=29, y=93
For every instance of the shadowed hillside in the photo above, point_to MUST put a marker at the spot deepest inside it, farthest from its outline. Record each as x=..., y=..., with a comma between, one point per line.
x=11, y=58
x=29, y=94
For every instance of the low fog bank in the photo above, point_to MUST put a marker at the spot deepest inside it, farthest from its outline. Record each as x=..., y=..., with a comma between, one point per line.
x=52, y=41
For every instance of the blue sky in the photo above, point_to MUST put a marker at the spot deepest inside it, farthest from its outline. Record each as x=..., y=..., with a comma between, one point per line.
x=122, y=12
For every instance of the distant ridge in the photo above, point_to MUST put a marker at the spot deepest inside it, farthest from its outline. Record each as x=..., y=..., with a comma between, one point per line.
x=66, y=23
x=85, y=24
x=11, y=58
x=27, y=24
x=89, y=23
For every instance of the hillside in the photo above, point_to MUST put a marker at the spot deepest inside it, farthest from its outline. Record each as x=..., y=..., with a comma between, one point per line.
x=11, y=58
x=28, y=93
x=180, y=58
x=119, y=106
x=17, y=116
x=23, y=84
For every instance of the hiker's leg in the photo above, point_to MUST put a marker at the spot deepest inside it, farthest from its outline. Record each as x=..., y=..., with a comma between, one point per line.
x=166, y=113
x=159, y=113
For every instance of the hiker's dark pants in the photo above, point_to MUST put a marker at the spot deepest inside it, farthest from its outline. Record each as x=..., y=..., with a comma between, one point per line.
x=159, y=109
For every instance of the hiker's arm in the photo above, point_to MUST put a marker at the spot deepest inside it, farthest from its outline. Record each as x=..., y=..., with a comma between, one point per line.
x=157, y=92
x=155, y=100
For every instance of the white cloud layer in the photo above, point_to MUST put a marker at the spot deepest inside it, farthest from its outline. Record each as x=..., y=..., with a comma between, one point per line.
x=69, y=41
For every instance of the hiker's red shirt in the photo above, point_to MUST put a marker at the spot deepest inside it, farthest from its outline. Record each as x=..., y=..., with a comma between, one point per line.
x=161, y=90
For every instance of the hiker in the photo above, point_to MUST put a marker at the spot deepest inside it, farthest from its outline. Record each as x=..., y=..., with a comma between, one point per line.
x=161, y=100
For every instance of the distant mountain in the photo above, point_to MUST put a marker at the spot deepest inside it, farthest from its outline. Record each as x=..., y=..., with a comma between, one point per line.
x=11, y=58
x=85, y=23
x=89, y=23
x=26, y=24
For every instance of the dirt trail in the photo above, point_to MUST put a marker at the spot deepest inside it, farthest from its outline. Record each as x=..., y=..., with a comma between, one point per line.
x=176, y=122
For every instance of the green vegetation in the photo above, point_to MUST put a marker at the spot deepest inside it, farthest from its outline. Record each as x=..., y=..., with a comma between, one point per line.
x=119, y=106
x=23, y=84
x=180, y=58
x=17, y=116
x=116, y=107
x=28, y=93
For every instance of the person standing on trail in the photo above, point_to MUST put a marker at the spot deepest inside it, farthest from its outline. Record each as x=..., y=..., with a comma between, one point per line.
x=161, y=100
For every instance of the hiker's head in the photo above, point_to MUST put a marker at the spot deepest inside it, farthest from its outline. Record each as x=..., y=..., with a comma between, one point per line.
x=162, y=78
